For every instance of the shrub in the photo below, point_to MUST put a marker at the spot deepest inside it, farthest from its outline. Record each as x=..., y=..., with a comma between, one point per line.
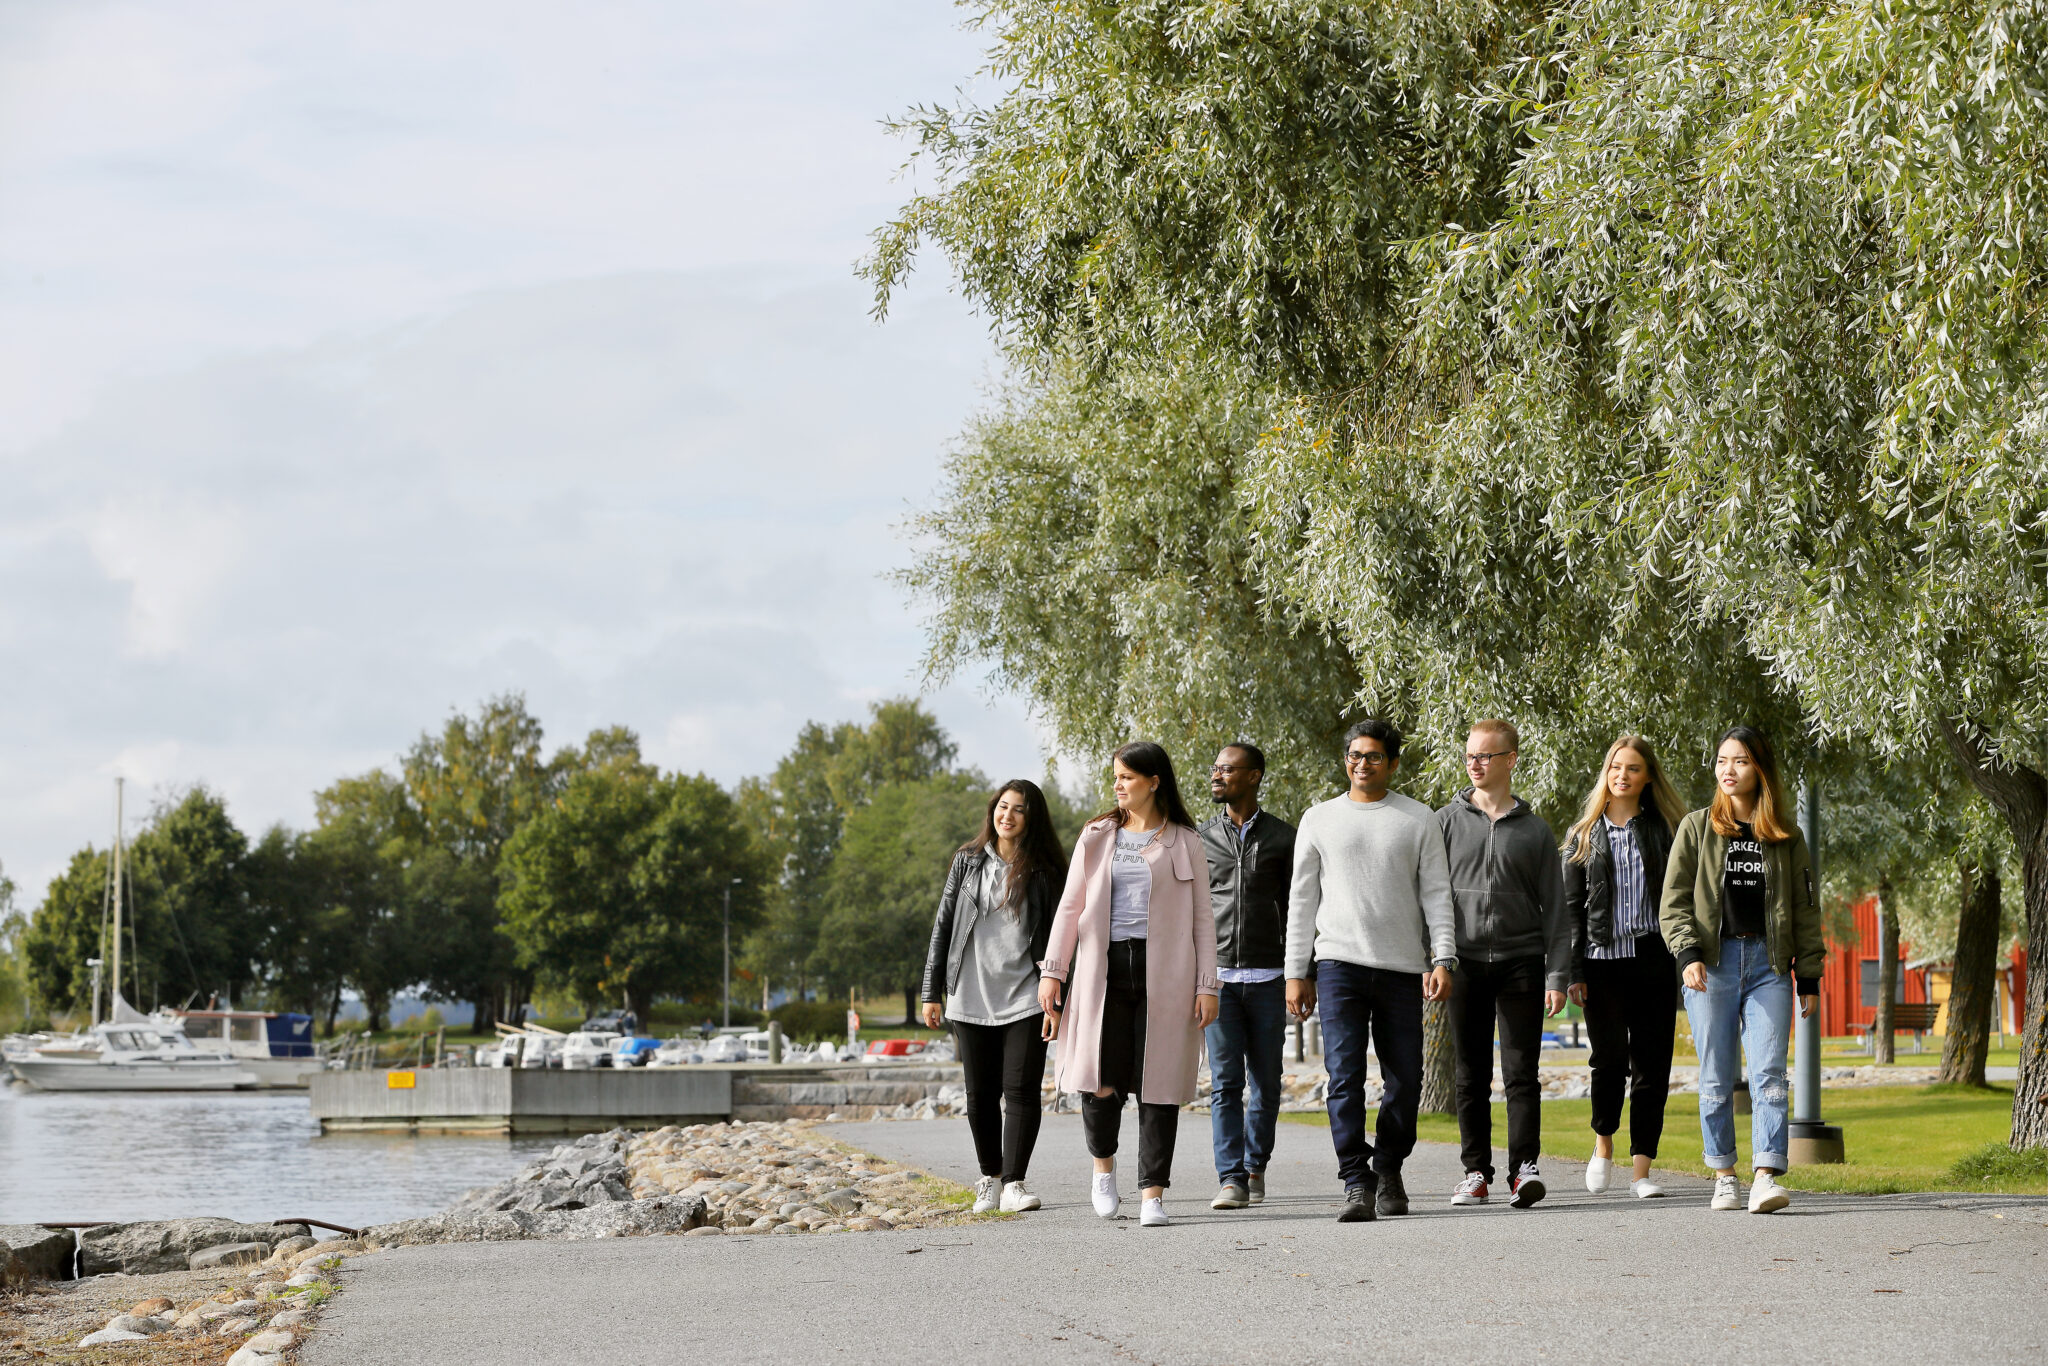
x=1996, y=1163
x=811, y=1021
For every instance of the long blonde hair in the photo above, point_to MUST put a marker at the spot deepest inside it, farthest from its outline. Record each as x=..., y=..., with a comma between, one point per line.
x=1579, y=839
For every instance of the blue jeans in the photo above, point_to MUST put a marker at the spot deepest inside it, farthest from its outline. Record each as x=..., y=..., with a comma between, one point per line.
x=1746, y=1008
x=1249, y=1037
x=1355, y=1003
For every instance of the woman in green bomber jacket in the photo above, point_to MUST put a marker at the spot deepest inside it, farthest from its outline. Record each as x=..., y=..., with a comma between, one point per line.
x=1741, y=918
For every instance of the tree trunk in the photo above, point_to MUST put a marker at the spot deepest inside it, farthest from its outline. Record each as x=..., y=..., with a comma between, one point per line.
x=910, y=1020
x=2020, y=796
x=641, y=1002
x=484, y=1015
x=333, y=1011
x=1439, y=1059
x=1881, y=1031
x=1973, y=984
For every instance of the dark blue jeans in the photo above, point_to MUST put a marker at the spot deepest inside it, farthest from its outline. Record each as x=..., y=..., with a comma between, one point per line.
x=1355, y=1002
x=1248, y=1039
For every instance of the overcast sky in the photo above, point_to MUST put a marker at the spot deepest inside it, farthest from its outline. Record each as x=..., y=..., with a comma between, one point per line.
x=361, y=360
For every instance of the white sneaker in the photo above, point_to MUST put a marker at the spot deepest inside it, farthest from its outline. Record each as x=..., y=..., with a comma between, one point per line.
x=1152, y=1214
x=1727, y=1193
x=1766, y=1196
x=985, y=1194
x=1016, y=1199
x=1105, y=1196
x=1599, y=1172
x=1643, y=1188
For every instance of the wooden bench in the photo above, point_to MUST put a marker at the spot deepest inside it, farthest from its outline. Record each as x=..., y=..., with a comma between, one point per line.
x=1917, y=1016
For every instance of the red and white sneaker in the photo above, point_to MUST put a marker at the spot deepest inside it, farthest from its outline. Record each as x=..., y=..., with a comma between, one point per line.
x=1527, y=1186
x=1471, y=1191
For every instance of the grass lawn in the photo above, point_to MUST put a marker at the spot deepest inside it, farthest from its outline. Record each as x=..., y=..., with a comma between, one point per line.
x=1899, y=1138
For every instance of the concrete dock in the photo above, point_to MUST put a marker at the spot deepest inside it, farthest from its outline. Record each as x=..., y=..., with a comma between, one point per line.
x=471, y=1100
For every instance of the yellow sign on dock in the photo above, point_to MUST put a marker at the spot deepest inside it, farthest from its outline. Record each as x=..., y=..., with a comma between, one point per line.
x=399, y=1081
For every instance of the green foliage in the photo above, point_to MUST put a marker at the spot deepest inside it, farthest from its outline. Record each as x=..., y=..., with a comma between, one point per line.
x=1089, y=543
x=17, y=1007
x=1998, y=1165
x=617, y=888
x=887, y=877
x=799, y=811
x=810, y=1021
x=189, y=933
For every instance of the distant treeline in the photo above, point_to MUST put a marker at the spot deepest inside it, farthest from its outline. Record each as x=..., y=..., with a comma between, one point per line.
x=479, y=868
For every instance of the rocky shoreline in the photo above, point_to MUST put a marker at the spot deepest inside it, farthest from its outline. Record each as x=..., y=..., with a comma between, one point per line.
x=262, y=1285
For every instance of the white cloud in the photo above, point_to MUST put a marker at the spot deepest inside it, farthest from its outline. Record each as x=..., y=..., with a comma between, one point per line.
x=361, y=360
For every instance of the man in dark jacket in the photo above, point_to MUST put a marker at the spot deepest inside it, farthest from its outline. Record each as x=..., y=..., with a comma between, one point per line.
x=1514, y=959
x=1251, y=869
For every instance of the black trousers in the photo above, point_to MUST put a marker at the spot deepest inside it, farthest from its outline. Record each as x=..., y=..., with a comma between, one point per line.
x=1631, y=1019
x=1508, y=994
x=1003, y=1067
x=1122, y=1063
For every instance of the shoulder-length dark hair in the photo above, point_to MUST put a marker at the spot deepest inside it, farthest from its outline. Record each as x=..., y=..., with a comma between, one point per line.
x=1150, y=760
x=1770, y=822
x=1038, y=851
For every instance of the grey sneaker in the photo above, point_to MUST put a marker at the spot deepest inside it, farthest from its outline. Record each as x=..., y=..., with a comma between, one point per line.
x=1393, y=1197
x=1255, y=1188
x=1727, y=1193
x=985, y=1197
x=1357, y=1206
x=1232, y=1196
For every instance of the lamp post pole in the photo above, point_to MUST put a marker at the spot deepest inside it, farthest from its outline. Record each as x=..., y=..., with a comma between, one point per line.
x=728, y=950
x=1812, y=1140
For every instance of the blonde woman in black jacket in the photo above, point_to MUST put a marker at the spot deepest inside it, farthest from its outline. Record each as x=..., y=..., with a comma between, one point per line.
x=981, y=975
x=1624, y=976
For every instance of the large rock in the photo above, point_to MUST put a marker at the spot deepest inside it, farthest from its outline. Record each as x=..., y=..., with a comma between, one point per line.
x=632, y=1218
x=228, y=1254
x=29, y=1252
x=106, y=1335
x=168, y=1245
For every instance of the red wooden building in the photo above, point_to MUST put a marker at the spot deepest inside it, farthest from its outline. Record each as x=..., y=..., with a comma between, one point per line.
x=1849, y=991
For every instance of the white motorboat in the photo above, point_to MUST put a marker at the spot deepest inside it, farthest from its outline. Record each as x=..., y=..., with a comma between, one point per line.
x=132, y=1054
x=587, y=1048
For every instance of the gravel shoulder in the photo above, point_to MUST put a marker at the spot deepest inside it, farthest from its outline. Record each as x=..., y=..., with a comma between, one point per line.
x=1876, y=1279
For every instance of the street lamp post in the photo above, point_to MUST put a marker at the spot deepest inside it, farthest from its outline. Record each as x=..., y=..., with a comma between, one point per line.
x=728, y=949
x=1813, y=1141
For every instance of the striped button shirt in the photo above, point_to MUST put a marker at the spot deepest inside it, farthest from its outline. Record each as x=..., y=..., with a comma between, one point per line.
x=1635, y=913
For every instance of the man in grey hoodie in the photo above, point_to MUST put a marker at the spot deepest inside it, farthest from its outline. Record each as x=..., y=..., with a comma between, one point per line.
x=1514, y=959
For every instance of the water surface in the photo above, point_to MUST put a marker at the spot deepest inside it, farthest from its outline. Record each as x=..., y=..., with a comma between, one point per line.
x=252, y=1155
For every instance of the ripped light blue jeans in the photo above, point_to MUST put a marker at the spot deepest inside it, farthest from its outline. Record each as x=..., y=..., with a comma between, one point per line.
x=1746, y=1008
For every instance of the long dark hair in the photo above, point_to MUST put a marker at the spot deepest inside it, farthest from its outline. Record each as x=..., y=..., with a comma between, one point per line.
x=1039, y=851
x=1769, y=820
x=1149, y=760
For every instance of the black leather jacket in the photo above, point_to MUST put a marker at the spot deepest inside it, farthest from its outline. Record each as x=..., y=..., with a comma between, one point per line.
x=1589, y=886
x=1248, y=889
x=952, y=931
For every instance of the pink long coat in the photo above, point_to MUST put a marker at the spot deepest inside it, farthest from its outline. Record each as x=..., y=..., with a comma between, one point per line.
x=1180, y=962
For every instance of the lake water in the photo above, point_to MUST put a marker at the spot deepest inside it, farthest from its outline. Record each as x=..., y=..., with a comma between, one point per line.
x=253, y=1156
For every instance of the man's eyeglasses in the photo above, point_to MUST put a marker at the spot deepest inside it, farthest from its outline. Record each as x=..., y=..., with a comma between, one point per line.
x=1368, y=759
x=1227, y=769
x=1482, y=760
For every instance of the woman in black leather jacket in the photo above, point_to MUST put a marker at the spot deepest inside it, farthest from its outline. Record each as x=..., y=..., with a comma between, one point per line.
x=1627, y=980
x=990, y=935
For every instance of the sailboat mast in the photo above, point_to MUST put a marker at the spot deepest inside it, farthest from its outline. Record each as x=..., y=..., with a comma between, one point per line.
x=116, y=978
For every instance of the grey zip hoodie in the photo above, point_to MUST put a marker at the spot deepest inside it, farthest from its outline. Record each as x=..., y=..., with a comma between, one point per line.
x=1507, y=883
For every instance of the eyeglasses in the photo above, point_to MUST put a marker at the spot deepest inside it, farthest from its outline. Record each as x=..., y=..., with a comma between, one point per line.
x=1368, y=759
x=1482, y=760
x=1227, y=769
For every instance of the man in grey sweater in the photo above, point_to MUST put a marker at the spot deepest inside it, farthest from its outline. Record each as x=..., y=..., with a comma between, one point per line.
x=1514, y=957
x=1370, y=937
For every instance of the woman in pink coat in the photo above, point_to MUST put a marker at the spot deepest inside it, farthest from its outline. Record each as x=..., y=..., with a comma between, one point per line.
x=1135, y=928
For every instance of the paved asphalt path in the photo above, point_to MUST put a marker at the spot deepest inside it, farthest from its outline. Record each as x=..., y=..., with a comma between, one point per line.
x=1833, y=1278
